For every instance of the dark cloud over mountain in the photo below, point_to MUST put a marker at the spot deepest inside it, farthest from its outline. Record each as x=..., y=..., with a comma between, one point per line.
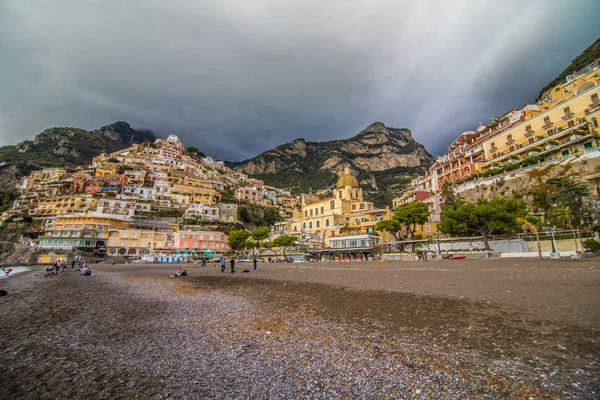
x=235, y=78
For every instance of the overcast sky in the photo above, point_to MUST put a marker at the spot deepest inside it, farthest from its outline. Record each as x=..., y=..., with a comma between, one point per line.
x=238, y=77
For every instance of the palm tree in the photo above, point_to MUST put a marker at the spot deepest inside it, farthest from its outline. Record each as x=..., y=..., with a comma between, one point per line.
x=529, y=226
x=564, y=217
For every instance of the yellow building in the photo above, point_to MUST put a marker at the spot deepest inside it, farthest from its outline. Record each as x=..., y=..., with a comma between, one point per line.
x=113, y=235
x=60, y=205
x=196, y=195
x=325, y=218
x=74, y=231
x=139, y=241
x=107, y=169
x=566, y=125
x=37, y=178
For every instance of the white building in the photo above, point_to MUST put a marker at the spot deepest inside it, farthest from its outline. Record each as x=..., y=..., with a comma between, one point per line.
x=204, y=212
x=134, y=192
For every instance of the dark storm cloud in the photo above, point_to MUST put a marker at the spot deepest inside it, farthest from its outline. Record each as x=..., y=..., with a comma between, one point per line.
x=238, y=77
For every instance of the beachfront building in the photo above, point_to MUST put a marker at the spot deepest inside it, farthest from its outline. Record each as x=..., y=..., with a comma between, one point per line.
x=350, y=248
x=140, y=239
x=70, y=232
x=201, y=241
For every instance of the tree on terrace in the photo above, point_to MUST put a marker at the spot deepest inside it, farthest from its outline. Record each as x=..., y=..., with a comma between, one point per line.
x=564, y=217
x=412, y=214
x=391, y=226
x=259, y=235
x=285, y=241
x=238, y=239
x=496, y=215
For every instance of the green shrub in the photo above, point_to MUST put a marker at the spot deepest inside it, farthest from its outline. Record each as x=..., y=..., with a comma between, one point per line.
x=592, y=245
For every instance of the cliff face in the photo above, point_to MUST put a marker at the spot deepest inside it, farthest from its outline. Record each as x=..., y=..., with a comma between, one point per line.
x=375, y=149
x=380, y=155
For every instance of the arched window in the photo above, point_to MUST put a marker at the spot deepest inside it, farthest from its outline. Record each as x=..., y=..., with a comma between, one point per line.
x=318, y=224
x=310, y=225
x=304, y=225
x=326, y=222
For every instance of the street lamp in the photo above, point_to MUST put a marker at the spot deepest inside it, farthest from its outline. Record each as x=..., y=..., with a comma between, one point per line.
x=437, y=237
x=552, y=230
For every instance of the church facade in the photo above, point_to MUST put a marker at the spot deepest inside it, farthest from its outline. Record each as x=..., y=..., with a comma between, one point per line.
x=345, y=213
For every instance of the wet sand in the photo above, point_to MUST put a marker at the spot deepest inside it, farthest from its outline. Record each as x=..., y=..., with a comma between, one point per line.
x=452, y=329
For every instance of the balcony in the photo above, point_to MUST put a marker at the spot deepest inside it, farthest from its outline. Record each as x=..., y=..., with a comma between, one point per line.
x=547, y=124
x=528, y=133
x=510, y=142
x=568, y=116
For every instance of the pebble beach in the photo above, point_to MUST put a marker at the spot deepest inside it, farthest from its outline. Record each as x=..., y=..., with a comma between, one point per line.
x=450, y=330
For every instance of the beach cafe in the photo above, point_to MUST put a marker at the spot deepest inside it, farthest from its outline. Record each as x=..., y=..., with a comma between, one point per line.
x=182, y=256
x=350, y=248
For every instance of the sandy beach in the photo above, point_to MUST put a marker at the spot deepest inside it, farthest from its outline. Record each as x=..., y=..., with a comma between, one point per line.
x=452, y=329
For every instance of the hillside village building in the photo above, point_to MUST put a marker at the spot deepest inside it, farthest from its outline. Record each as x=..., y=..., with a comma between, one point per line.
x=250, y=194
x=561, y=128
x=320, y=219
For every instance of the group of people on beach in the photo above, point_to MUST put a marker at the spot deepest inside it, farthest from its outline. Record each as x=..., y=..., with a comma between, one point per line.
x=223, y=263
x=60, y=266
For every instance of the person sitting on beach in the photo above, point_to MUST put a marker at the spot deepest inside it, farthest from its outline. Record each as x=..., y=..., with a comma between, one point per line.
x=183, y=273
x=85, y=271
x=7, y=271
x=179, y=273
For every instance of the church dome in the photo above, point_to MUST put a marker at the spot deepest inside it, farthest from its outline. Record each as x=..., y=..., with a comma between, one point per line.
x=347, y=179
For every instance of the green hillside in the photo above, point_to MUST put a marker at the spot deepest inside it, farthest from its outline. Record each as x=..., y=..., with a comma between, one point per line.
x=588, y=56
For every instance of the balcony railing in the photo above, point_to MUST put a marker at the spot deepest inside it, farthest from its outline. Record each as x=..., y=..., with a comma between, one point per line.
x=547, y=124
x=568, y=116
x=510, y=141
x=528, y=133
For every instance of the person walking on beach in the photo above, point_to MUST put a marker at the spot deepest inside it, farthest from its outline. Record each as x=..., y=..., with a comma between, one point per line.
x=232, y=262
x=223, y=264
x=255, y=262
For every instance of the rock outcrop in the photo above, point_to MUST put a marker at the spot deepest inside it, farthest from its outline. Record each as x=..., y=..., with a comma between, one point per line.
x=65, y=147
x=374, y=152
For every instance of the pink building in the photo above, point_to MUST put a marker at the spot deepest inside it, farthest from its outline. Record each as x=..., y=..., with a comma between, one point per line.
x=201, y=241
x=91, y=189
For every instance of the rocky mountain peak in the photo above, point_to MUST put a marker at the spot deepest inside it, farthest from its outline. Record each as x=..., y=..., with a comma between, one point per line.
x=65, y=146
x=373, y=152
x=376, y=127
x=121, y=131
